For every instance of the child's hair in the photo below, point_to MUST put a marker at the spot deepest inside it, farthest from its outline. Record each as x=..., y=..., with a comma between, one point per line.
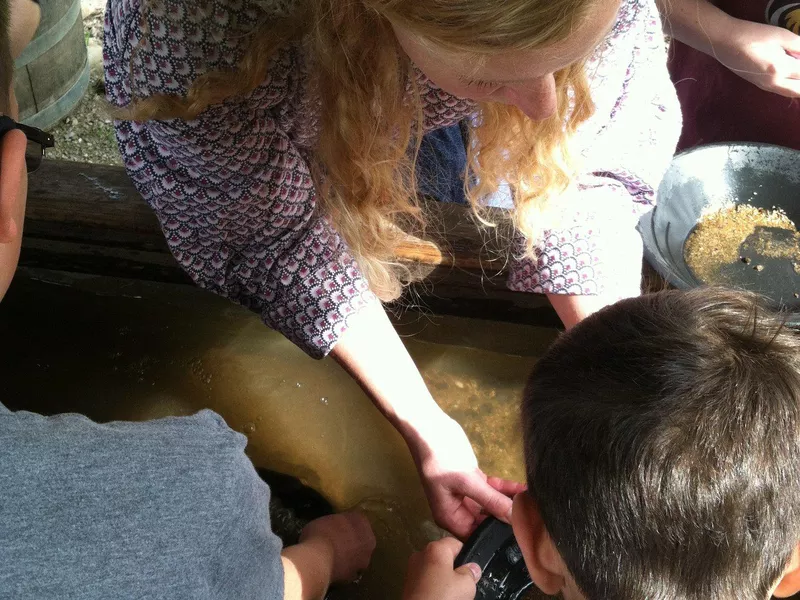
x=6, y=62
x=373, y=107
x=662, y=447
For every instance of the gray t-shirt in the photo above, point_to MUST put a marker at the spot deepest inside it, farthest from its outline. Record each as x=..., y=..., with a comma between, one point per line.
x=171, y=508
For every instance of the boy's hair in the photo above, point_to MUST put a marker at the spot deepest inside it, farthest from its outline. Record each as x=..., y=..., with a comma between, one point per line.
x=662, y=447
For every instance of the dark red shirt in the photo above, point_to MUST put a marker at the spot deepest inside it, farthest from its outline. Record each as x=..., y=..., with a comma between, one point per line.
x=720, y=106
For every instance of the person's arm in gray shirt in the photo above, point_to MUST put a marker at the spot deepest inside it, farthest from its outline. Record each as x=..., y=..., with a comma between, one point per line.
x=171, y=508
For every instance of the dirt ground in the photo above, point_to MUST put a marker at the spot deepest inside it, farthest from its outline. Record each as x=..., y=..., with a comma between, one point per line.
x=87, y=134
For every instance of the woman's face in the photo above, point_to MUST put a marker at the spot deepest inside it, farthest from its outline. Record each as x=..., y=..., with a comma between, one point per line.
x=521, y=78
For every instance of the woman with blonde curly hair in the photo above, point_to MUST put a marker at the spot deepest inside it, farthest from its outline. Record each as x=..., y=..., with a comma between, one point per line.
x=276, y=141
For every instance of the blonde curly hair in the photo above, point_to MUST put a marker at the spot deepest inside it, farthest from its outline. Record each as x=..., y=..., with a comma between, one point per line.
x=371, y=123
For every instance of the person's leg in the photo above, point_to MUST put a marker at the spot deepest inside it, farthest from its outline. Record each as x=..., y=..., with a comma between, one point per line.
x=441, y=164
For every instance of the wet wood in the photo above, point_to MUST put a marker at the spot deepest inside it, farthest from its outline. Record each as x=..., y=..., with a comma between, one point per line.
x=89, y=218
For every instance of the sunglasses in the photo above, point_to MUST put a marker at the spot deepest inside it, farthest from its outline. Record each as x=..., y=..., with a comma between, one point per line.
x=38, y=140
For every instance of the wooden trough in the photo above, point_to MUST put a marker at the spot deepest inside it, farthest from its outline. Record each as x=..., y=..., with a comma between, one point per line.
x=89, y=218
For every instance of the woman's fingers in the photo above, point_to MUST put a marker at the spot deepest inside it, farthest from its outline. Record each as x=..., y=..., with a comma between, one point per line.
x=493, y=502
x=505, y=486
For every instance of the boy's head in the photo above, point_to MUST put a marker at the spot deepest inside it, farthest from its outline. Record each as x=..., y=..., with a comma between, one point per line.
x=663, y=453
x=18, y=22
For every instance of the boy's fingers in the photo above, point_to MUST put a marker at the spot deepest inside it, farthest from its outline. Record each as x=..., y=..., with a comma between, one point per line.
x=470, y=569
x=449, y=548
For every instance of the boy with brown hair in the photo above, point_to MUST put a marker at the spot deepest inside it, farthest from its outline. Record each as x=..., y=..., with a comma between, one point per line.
x=662, y=440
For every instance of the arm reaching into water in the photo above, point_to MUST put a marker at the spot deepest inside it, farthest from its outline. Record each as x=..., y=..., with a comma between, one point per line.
x=456, y=488
x=331, y=549
x=765, y=55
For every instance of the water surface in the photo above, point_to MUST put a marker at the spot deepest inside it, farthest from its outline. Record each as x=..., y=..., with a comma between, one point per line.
x=119, y=349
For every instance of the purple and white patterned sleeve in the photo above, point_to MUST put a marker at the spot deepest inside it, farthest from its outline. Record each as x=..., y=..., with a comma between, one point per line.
x=231, y=188
x=625, y=148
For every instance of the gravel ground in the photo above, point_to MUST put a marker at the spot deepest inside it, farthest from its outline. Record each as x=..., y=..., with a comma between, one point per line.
x=87, y=135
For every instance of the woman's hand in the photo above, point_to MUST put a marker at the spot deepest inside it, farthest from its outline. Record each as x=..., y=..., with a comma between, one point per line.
x=431, y=575
x=371, y=351
x=765, y=55
x=459, y=493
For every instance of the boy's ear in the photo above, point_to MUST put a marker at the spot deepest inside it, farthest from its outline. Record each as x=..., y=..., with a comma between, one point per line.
x=789, y=584
x=545, y=566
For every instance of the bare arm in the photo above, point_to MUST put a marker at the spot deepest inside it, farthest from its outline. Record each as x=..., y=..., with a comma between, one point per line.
x=697, y=23
x=306, y=571
x=371, y=351
x=765, y=55
x=332, y=548
x=573, y=309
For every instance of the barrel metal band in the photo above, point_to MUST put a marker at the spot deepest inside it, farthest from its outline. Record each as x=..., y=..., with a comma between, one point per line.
x=53, y=113
x=46, y=40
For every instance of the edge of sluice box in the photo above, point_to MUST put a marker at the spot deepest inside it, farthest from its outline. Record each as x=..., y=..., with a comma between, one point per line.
x=494, y=548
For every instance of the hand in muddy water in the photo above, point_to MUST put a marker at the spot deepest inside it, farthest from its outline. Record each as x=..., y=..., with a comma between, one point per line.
x=459, y=493
x=350, y=540
x=431, y=574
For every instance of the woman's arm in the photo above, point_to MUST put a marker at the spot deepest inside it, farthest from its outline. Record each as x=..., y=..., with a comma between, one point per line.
x=573, y=309
x=697, y=23
x=765, y=55
x=371, y=351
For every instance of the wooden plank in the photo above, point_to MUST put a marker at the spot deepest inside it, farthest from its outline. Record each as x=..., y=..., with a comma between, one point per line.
x=100, y=200
x=90, y=218
x=88, y=195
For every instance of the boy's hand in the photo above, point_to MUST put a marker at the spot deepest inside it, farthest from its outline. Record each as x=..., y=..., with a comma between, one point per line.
x=349, y=538
x=431, y=575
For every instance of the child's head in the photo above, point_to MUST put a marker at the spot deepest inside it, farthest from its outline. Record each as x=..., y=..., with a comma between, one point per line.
x=663, y=453
x=18, y=22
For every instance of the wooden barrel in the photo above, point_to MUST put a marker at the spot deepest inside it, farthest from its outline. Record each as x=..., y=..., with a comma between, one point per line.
x=52, y=74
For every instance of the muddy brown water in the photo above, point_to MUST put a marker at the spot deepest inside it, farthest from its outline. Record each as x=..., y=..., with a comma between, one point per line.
x=119, y=349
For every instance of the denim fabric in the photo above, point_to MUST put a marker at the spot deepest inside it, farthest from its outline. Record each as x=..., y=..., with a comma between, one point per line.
x=440, y=165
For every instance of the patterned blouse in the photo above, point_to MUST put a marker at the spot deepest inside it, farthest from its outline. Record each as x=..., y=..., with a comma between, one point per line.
x=235, y=197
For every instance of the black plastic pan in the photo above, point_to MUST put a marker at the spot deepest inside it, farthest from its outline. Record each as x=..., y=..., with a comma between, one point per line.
x=493, y=547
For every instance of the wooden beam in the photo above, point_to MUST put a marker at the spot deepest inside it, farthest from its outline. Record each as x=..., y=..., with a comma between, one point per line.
x=89, y=218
